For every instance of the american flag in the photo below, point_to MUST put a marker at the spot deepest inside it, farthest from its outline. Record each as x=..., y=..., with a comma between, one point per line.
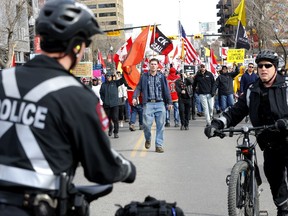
x=191, y=56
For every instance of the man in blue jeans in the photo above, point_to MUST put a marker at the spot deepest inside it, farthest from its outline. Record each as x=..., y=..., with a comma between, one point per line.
x=155, y=96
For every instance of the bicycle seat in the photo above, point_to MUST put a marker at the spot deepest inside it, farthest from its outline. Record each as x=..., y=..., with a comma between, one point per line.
x=93, y=192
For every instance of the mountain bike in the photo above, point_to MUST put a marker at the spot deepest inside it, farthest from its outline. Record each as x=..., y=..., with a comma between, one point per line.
x=243, y=182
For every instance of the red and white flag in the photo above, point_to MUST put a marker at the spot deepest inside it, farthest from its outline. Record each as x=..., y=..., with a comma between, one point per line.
x=100, y=59
x=213, y=62
x=191, y=56
x=122, y=52
x=145, y=65
x=224, y=52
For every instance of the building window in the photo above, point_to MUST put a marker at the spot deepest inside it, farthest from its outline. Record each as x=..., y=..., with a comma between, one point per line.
x=92, y=6
x=107, y=5
x=108, y=23
x=21, y=33
x=107, y=14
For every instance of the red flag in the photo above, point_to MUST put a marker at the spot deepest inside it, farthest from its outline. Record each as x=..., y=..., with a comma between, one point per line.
x=137, y=50
x=166, y=60
x=132, y=76
x=121, y=54
x=191, y=56
x=134, y=57
x=160, y=43
x=213, y=62
x=13, y=61
x=175, y=53
x=100, y=59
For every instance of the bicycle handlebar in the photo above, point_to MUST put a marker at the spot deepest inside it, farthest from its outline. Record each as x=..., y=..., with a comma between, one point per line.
x=243, y=129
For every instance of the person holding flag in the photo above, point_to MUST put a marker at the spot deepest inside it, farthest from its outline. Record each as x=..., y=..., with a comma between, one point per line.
x=155, y=96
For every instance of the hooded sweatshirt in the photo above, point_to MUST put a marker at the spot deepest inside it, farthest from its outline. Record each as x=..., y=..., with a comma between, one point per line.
x=171, y=79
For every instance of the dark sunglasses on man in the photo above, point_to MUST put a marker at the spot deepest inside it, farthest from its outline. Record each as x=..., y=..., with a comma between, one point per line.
x=265, y=65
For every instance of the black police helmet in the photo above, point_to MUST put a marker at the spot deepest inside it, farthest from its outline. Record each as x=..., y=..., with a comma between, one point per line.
x=63, y=24
x=268, y=55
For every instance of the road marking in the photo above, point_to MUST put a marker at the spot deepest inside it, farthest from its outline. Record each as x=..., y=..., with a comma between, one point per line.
x=140, y=142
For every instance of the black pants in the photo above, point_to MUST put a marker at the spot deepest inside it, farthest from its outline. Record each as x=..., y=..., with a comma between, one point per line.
x=275, y=168
x=9, y=210
x=113, y=116
x=184, y=111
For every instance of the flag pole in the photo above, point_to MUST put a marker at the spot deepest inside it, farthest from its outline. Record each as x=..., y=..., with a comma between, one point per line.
x=237, y=34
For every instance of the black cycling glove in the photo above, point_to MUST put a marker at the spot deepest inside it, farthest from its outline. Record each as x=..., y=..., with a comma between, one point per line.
x=216, y=124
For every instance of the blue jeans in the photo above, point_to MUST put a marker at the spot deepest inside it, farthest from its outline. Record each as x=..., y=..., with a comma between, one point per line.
x=207, y=102
x=138, y=109
x=176, y=113
x=153, y=111
x=198, y=104
x=226, y=101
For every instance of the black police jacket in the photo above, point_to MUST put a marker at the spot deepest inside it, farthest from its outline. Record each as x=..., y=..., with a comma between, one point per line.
x=49, y=122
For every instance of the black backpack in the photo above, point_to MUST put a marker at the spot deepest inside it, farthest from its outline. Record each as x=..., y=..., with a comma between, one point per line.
x=150, y=207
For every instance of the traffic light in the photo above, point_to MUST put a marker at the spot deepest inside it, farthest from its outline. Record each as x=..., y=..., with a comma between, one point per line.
x=198, y=36
x=173, y=37
x=223, y=14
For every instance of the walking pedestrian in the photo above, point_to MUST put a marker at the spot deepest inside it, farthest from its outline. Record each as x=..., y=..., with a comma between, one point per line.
x=155, y=96
x=184, y=90
x=109, y=96
x=171, y=79
x=224, y=84
x=248, y=78
x=205, y=81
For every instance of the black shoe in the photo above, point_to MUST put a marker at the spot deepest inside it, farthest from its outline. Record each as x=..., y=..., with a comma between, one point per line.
x=167, y=125
x=147, y=144
x=109, y=133
x=116, y=135
x=187, y=128
x=193, y=117
x=182, y=127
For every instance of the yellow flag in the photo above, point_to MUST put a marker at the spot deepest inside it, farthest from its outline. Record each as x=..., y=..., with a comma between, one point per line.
x=207, y=51
x=239, y=14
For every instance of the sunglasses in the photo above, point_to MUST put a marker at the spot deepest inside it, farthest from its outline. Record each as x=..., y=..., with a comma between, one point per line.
x=265, y=65
x=251, y=67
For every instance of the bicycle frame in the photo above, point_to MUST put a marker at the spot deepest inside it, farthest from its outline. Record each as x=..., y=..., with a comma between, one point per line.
x=243, y=192
x=247, y=152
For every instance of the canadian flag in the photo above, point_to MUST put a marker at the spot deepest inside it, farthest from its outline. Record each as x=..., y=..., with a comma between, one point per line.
x=122, y=52
x=213, y=62
x=145, y=65
x=100, y=59
x=224, y=51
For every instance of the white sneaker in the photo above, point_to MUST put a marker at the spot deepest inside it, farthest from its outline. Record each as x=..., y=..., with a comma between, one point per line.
x=121, y=124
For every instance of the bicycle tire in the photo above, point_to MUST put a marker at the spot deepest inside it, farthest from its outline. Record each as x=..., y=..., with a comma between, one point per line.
x=239, y=201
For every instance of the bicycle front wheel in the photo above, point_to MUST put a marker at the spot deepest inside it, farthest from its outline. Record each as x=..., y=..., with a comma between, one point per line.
x=240, y=192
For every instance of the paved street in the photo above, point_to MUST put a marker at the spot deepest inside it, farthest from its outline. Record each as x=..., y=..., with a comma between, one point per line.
x=191, y=171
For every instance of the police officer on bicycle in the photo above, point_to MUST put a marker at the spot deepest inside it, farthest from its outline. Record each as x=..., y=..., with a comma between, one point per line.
x=49, y=121
x=265, y=102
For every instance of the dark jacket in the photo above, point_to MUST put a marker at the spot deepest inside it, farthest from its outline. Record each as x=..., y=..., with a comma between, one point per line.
x=246, y=80
x=60, y=123
x=109, y=92
x=186, y=85
x=260, y=113
x=204, y=82
x=224, y=82
x=142, y=88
